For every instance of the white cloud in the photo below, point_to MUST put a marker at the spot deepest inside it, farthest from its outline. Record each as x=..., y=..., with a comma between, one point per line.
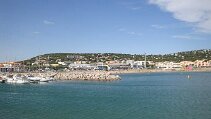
x=48, y=22
x=188, y=37
x=132, y=5
x=124, y=30
x=157, y=26
x=134, y=33
x=197, y=12
x=135, y=8
x=181, y=37
x=131, y=33
x=36, y=32
x=121, y=29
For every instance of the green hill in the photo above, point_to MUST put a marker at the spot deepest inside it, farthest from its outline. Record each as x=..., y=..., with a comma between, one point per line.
x=103, y=57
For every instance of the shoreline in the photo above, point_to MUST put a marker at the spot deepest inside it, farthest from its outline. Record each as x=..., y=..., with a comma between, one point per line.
x=76, y=75
x=157, y=71
x=96, y=75
x=87, y=75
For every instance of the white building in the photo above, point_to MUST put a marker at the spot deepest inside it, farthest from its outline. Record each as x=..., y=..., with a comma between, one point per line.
x=139, y=64
x=131, y=62
x=62, y=63
x=81, y=66
x=202, y=63
x=186, y=63
x=168, y=65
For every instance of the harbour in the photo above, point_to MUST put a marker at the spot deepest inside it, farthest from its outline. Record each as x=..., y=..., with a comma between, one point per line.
x=148, y=95
x=105, y=59
x=30, y=77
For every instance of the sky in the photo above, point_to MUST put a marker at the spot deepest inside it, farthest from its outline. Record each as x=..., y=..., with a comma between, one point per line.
x=33, y=27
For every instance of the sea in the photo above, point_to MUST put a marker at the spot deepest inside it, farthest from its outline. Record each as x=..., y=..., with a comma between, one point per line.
x=178, y=95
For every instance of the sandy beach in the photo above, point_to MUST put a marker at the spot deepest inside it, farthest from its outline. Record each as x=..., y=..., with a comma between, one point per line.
x=158, y=70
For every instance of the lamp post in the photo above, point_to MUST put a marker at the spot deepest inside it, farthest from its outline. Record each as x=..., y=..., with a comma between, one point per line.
x=145, y=61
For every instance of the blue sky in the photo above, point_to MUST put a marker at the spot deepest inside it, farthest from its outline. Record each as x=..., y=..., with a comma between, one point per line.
x=32, y=27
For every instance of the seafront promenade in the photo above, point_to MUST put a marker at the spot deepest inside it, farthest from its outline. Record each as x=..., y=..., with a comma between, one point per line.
x=158, y=70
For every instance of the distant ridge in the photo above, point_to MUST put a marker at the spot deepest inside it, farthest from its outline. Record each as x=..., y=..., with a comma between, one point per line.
x=102, y=57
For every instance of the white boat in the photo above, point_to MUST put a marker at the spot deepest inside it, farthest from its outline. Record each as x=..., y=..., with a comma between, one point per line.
x=9, y=79
x=33, y=79
x=20, y=80
x=46, y=79
x=2, y=80
x=39, y=79
x=15, y=79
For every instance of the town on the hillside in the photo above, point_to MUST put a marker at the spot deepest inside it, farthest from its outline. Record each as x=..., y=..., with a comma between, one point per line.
x=110, y=61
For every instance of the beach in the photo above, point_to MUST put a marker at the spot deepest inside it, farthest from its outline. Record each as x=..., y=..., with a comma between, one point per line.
x=158, y=70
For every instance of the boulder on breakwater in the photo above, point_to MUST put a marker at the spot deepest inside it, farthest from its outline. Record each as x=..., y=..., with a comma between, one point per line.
x=86, y=75
x=77, y=75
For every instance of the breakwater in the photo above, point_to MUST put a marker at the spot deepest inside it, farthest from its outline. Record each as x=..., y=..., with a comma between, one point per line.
x=87, y=75
x=103, y=75
x=77, y=75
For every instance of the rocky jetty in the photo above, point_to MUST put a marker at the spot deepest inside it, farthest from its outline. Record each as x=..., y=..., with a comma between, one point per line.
x=86, y=75
x=77, y=75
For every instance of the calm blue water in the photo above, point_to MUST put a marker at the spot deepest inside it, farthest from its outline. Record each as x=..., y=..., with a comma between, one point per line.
x=136, y=96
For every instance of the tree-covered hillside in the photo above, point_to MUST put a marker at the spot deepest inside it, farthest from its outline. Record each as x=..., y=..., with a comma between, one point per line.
x=103, y=57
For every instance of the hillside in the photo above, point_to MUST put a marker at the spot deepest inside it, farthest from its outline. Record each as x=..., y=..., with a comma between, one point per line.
x=102, y=57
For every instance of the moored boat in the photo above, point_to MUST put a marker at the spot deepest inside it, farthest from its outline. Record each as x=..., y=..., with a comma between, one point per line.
x=9, y=79
x=2, y=80
x=20, y=79
x=15, y=79
x=33, y=79
x=45, y=79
